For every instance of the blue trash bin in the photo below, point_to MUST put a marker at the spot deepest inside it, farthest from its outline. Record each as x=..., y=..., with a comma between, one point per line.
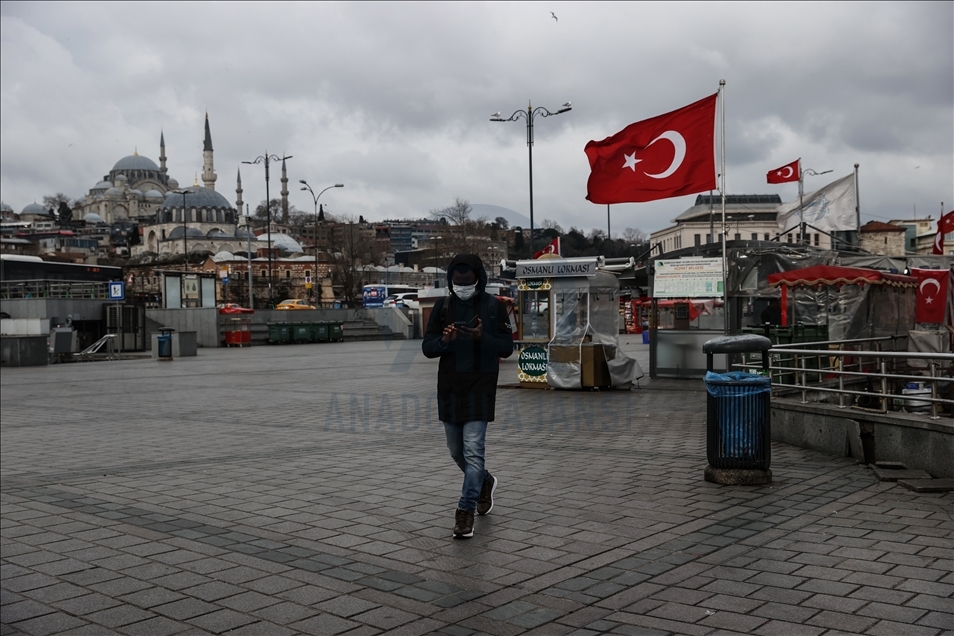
x=164, y=344
x=738, y=407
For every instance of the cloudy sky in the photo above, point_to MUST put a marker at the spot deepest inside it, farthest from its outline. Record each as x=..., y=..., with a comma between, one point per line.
x=394, y=99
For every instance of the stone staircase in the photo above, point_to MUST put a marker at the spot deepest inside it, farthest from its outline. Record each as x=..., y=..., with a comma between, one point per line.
x=369, y=330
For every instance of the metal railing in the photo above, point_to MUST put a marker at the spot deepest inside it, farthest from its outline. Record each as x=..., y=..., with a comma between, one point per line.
x=23, y=289
x=107, y=342
x=883, y=376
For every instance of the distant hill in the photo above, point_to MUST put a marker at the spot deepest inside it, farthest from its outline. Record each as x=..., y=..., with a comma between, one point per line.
x=493, y=211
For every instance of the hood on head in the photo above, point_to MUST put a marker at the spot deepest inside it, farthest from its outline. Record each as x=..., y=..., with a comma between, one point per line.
x=473, y=261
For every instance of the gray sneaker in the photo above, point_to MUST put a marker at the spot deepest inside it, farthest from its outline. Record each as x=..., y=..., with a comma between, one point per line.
x=486, y=501
x=464, y=524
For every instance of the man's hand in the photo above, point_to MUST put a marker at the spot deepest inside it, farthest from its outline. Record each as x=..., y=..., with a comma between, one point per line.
x=470, y=333
x=450, y=334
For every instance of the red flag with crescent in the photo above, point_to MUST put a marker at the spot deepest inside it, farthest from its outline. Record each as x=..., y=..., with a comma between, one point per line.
x=788, y=172
x=669, y=155
x=944, y=226
x=552, y=248
x=932, y=295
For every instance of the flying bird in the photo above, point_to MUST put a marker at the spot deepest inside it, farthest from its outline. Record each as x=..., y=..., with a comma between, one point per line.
x=554, y=16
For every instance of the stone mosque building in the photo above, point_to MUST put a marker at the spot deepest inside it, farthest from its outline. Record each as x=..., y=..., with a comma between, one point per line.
x=172, y=219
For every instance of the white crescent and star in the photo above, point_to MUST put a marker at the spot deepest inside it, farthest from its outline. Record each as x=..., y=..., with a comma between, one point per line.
x=784, y=175
x=930, y=281
x=679, y=145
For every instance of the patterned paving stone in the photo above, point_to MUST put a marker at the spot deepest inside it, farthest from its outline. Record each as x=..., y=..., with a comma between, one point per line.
x=266, y=510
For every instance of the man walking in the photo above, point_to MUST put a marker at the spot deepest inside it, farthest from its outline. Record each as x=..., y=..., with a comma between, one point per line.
x=469, y=330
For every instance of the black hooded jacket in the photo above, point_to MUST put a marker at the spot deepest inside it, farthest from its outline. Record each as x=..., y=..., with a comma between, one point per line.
x=467, y=374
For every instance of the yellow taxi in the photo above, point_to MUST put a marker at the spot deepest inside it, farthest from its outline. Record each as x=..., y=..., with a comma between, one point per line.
x=294, y=303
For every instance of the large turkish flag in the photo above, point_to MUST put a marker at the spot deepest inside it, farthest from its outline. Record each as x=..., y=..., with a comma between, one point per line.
x=669, y=155
x=932, y=294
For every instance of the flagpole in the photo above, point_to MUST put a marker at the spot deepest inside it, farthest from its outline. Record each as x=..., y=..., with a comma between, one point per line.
x=725, y=266
x=801, y=203
x=609, y=234
x=857, y=211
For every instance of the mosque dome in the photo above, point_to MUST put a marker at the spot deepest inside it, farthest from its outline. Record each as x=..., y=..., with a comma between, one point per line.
x=5, y=208
x=173, y=184
x=94, y=219
x=103, y=185
x=136, y=193
x=135, y=162
x=35, y=208
x=243, y=233
x=219, y=235
x=196, y=197
x=283, y=242
x=113, y=192
x=192, y=233
x=154, y=196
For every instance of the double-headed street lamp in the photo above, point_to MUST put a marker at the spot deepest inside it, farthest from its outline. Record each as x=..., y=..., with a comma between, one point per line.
x=315, y=197
x=266, y=158
x=529, y=116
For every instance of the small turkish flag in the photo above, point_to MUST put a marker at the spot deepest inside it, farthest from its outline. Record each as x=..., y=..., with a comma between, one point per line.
x=945, y=225
x=552, y=248
x=666, y=156
x=788, y=172
x=931, y=302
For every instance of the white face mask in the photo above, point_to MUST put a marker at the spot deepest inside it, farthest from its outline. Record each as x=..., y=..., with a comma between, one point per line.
x=465, y=292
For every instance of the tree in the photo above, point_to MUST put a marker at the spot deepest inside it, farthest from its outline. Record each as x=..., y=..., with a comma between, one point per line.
x=502, y=223
x=53, y=202
x=634, y=235
x=261, y=212
x=464, y=234
x=64, y=215
x=355, y=250
x=548, y=224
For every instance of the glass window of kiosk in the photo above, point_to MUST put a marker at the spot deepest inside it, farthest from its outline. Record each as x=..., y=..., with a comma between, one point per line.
x=535, y=316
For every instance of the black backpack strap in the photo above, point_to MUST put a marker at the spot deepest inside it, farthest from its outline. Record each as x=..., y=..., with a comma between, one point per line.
x=446, y=305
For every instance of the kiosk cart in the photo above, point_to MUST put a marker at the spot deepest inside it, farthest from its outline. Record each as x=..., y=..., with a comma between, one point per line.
x=568, y=326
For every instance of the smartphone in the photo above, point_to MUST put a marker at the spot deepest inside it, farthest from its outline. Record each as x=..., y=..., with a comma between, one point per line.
x=461, y=323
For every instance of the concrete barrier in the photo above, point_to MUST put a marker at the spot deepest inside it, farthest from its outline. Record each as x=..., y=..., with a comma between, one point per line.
x=24, y=351
x=914, y=440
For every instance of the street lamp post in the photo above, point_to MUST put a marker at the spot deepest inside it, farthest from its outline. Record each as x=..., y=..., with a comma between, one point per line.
x=315, y=197
x=185, y=228
x=266, y=158
x=529, y=116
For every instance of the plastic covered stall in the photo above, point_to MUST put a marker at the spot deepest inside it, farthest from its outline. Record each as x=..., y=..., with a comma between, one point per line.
x=852, y=302
x=569, y=326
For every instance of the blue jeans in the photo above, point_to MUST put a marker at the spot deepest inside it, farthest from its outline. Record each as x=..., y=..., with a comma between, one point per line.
x=466, y=444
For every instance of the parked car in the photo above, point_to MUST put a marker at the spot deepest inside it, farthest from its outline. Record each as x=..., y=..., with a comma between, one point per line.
x=232, y=308
x=407, y=299
x=294, y=303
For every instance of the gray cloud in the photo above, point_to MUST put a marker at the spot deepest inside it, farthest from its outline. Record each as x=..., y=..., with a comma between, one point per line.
x=394, y=99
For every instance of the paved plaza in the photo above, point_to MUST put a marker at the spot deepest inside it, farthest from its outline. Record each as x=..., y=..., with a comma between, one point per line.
x=306, y=489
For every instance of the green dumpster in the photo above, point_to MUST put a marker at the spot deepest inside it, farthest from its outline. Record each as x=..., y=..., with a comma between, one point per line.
x=321, y=332
x=335, y=332
x=278, y=332
x=301, y=331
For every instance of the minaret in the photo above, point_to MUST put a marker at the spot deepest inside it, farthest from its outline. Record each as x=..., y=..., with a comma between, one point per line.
x=208, y=170
x=238, y=193
x=284, y=193
x=162, y=153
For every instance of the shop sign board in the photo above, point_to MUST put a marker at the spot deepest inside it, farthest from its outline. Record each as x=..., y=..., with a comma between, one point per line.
x=688, y=278
x=532, y=364
x=533, y=284
x=556, y=268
